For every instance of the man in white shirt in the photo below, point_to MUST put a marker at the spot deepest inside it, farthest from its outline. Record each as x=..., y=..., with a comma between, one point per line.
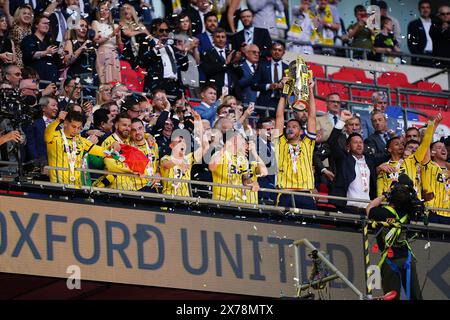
x=419, y=40
x=355, y=172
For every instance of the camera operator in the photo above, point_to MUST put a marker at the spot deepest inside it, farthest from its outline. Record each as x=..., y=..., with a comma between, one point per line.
x=397, y=264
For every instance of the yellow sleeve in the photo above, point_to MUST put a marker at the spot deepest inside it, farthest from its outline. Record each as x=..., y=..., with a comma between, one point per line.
x=422, y=149
x=93, y=149
x=50, y=130
x=380, y=184
x=116, y=166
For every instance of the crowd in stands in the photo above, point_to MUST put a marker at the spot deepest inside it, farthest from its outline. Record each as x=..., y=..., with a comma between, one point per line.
x=111, y=82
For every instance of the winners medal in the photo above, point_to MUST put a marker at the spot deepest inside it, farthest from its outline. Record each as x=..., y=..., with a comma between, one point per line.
x=299, y=75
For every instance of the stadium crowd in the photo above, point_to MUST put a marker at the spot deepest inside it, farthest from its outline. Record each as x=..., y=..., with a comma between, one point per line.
x=140, y=120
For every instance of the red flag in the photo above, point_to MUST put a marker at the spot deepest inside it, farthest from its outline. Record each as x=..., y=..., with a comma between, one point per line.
x=134, y=158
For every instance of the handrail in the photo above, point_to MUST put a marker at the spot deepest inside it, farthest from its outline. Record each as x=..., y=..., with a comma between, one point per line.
x=282, y=211
x=445, y=70
x=190, y=182
x=363, y=50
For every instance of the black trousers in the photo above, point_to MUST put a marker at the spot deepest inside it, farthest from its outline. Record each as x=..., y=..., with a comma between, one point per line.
x=390, y=280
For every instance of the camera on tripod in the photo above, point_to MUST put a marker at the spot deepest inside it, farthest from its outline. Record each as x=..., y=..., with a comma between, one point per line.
x=16, y=107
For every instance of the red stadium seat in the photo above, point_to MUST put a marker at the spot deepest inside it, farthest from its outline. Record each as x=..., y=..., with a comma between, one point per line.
x=394, y=80
x=349, y=77
x=359, y=74
x=322, y=88
x=316, y=69
x=429, y=86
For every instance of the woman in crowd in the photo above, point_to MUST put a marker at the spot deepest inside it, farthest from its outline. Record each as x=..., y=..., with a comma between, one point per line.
x=40, y=52
x=107, y=36
x=133, y=33
x=183, y=30
x=80, y=54
x=7, y=52
x=23, y=18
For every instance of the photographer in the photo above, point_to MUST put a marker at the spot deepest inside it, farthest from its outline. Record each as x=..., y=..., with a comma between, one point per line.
x=398, y=266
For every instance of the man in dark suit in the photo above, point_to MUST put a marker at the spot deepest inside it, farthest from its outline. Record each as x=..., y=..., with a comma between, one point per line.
x=356, y=172
x=268, y=78
x=419, y=40
x=221, y=65
x=36, y=147
x=206, y=38
x=252, y=35
x=163, y=60
x=441, y=36
x=196, y=12
x=266, y=150
x=249, y=66
x=377, y=141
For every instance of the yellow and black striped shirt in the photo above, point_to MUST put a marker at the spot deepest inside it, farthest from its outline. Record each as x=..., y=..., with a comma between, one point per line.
x=177, y=188
x=152, y=154
x=115, y=182
x=231, y=170
x=434, y=179
x=57, y=155
x=410, y=165
x=295, y=167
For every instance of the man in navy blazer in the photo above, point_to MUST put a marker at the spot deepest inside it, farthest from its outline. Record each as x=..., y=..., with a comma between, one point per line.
x=220, y=65
x=249, y=66
x=36, y=147
x=206, y=38
x=252, y=35
x=268, y=78
x=419, y=39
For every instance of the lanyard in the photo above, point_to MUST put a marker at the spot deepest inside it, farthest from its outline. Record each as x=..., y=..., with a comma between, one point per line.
x=294, y=153
x=364, y=175
x=394, y=176
x=71, y=155
x=150, y=159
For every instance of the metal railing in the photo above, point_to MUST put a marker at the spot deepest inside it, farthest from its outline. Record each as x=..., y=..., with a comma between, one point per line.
x=364, y=52
x=212, y=184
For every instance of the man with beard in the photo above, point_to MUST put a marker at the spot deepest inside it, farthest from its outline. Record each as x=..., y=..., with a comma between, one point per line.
x=121, y=135
x=294, y=151
x=122, y=127
x=436, y=183
x=410, y=165
x=147, y=144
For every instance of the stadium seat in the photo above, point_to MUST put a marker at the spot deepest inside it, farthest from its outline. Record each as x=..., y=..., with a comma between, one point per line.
x=359, y=74
x=349, y=77
x=316, y=69
x=429, y=86
x=323, y=89
x=133, y=78
x=394, y=80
